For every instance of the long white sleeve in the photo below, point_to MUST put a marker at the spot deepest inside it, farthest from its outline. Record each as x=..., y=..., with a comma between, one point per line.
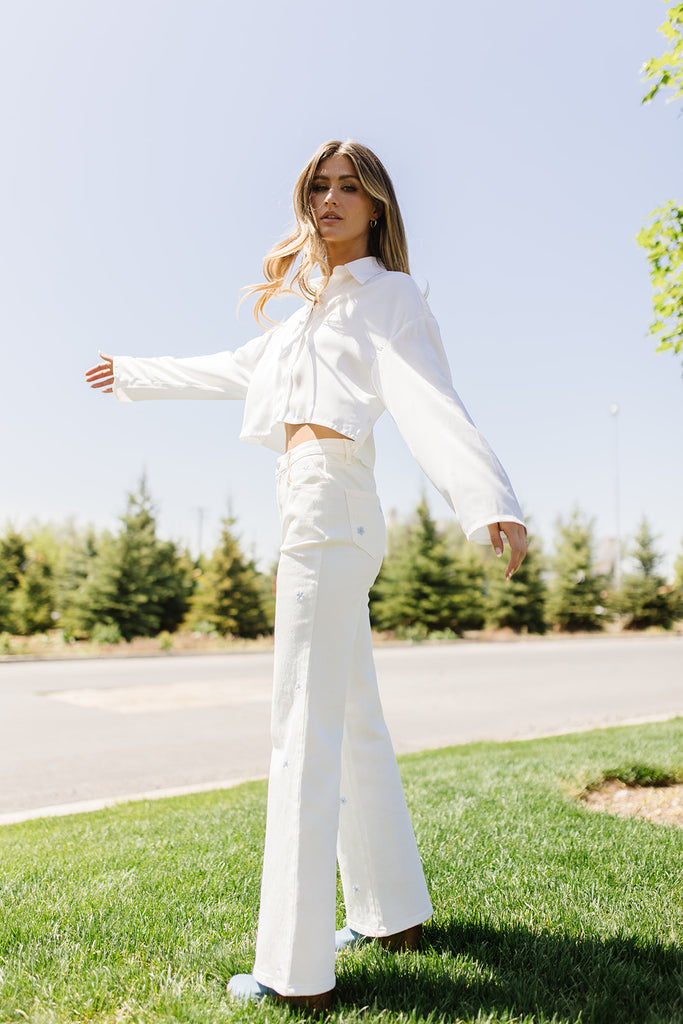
x=413, y=381
x=224, y=375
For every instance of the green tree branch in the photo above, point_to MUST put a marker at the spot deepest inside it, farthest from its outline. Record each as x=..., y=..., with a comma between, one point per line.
x=662, y=239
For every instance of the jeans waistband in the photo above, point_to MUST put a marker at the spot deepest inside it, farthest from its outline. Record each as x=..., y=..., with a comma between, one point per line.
x=335, y=446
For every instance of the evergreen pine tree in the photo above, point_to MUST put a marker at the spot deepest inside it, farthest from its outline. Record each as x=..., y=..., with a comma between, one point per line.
x=75, y=567
x=267, y=586
x=469, y=562
x=33, y=598
x=644, y=598
x=138, y=583
x=574, y=592
x=678, y=584
x=678, y=570
x=423, y=586
x=518, y=603
x=229, y=597
x=13, y=558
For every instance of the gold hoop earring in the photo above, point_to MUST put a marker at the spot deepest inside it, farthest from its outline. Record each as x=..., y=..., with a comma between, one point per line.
x=373, y=223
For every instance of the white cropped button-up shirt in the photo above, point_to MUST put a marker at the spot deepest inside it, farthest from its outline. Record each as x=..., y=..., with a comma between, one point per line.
x=370, y=343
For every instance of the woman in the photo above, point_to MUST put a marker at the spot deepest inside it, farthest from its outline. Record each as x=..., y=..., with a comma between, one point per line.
x=365, y=340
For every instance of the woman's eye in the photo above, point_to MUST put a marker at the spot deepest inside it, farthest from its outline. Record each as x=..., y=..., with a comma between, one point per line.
x=326, y=188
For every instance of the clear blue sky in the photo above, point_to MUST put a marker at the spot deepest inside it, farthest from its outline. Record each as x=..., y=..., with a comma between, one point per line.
x=149, y=148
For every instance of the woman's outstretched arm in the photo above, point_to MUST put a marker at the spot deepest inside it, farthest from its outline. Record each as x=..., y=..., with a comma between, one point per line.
x=223, y=375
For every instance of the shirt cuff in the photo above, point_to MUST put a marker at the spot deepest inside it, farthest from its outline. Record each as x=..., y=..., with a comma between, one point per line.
x=479, y=534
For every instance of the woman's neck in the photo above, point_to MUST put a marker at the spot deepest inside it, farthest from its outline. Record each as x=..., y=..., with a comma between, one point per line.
x=338, y=255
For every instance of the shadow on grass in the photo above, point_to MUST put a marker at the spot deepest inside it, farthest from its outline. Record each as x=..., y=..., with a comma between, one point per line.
x=470, y=968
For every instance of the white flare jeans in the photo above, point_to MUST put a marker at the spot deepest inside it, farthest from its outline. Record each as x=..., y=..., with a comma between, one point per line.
x=334, y=791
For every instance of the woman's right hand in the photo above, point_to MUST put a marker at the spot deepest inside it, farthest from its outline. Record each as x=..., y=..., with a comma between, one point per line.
x=102, y=375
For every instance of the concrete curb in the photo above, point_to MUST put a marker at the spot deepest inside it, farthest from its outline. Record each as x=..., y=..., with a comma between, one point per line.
x=87, y=806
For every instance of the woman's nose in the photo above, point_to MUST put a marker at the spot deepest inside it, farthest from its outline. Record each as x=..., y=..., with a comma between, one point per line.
x=329, y=198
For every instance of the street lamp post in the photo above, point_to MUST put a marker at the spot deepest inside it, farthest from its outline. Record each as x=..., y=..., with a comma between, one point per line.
x=614, y=413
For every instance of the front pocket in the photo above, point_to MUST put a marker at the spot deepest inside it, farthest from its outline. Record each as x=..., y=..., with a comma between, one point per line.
x=367, y=522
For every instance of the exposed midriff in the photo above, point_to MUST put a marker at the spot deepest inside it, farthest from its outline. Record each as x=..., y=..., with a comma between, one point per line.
x=297, y=433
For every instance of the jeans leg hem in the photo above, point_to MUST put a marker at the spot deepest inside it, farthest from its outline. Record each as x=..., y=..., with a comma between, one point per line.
x=378, y=931
x=313, y=988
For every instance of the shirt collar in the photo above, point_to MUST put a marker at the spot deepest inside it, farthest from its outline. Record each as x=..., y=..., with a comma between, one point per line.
x=362, y=270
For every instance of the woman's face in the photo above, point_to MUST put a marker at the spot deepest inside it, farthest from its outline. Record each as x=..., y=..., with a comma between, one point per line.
x=341, y=209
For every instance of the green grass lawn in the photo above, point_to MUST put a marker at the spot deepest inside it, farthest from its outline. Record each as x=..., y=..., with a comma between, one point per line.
x=544, y=911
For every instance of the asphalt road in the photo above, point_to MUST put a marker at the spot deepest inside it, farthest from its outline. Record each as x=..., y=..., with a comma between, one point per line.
x=77, y=734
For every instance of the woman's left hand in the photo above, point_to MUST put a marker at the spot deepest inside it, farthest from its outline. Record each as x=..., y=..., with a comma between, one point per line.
x=516, y=536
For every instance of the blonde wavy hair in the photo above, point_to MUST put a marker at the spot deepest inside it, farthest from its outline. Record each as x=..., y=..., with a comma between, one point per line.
x=387, y=239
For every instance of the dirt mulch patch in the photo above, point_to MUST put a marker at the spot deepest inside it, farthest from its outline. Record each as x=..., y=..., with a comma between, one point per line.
x=661, y=804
